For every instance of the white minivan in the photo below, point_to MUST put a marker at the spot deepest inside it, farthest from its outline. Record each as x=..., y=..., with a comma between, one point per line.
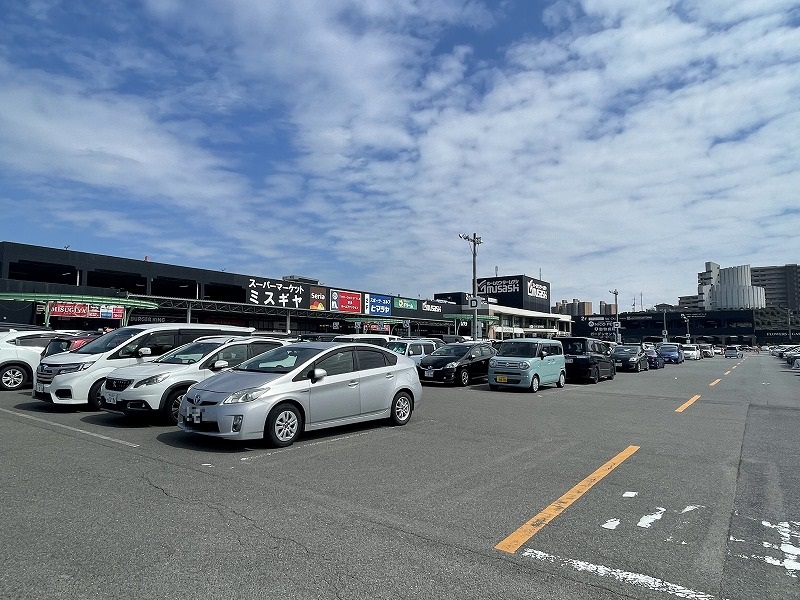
x=76, y=377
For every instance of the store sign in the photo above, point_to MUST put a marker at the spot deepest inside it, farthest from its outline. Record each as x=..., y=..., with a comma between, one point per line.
x=405, y=304
x=277, y=292
x=86, y=311
x=378, y=305
x=347, y=302
x=431, y=307
x=318, y=298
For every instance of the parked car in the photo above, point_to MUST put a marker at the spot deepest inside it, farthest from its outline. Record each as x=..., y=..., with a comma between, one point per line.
x=459, y=363
x=68, y=343
x=706, y=350
x=671, y=353
x=691, y=352
x=654, y=359
x=588, y=358
x=733, y=352
x=302, y=387
x=76, y=377
x=528, y=363
x=156, y=387
x=20, y=352
x=416, y=350
x=630, y=357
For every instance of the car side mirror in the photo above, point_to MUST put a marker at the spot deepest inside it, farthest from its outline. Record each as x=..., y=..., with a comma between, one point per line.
x=317, y=374
x=145, y=351
x=219, y=365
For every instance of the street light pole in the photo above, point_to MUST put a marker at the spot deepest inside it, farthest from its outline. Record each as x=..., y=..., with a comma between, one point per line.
x=474, y=241
x=616, y=315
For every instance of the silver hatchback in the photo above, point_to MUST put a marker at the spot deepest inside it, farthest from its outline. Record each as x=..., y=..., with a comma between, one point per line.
x=302, y=387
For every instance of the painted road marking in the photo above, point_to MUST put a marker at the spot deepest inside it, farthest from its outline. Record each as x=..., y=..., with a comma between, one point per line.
x=727, y=372
x=514, y=541
x=688, y=403
x=634, y=579
x=715, y=382
x=75, y=429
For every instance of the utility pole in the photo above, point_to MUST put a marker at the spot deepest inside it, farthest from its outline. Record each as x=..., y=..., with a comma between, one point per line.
x=616, y=314
x=474, y=241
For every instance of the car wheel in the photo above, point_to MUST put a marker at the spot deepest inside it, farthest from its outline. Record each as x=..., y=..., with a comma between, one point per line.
x=12, y=378
x=647, y=366
x=535, y=384
x=402, y=406
x=283, y=426
x=638, y=367
x=562, y=380
x=171, y=408
x=94, y=395
x=613, y=372
x=595, y=376
x=463, y=377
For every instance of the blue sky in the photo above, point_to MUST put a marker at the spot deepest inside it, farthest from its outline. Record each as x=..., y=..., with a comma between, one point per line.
x=602, y=143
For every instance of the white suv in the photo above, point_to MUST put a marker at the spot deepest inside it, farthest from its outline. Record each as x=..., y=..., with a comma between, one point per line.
x=20, y=352
x=156, y=388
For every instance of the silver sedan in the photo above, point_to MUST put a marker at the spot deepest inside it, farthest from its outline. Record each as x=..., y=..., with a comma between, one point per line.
x=302, y=387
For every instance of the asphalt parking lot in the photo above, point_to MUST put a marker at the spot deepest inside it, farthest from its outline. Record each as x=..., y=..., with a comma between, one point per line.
x=681, y=482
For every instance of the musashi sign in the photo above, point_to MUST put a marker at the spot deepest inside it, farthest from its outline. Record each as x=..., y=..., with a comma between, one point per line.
x=517, y=291
x=86, y=311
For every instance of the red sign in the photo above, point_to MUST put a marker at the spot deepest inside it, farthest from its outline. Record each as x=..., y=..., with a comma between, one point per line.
x=348, y=302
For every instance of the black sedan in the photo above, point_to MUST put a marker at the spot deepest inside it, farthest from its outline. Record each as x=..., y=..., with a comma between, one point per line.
x=630, y=357
x=459, y=363
x=654, y=359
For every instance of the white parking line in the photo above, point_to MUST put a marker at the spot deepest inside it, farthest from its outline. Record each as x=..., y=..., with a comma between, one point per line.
x=75, y=429
x=634, y=579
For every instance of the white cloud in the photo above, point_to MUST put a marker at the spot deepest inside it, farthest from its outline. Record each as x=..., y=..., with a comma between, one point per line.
x=348, y=141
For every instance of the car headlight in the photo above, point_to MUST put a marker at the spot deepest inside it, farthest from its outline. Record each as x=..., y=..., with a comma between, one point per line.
x=85, y=366
x=451, y=365
x=247, y=395
x=524, y=365
x=493, y=363
x=152, y=380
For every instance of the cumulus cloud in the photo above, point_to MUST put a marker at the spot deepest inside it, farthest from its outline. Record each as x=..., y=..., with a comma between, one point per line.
x=615, y=144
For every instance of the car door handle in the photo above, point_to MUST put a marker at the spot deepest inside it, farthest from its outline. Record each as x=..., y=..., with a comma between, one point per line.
x=390, y=376
x=353, y=383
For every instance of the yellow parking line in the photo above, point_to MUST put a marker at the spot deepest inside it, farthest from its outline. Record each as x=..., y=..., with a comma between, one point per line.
x=688, y=403
x=715, y=382
x=727, y=372
x=513, y=542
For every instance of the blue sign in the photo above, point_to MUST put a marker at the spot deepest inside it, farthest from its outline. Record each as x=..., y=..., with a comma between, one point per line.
x=380, y=306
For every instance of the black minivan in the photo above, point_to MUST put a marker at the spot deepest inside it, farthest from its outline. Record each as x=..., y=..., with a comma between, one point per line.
x=588, y=359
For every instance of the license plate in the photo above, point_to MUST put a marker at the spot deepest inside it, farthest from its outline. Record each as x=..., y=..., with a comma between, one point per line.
x=111, y=397
x=194, y=415
x=618, y=363
x=501, y=379
x=567, y=360
x=40, y=387
x=429, y=373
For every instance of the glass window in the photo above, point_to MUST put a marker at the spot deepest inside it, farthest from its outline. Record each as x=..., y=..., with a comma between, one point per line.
x=34, y=340
x=338, y=363
x=369, y=359
x=257, y=348
x=234, y=355
x=415, y=350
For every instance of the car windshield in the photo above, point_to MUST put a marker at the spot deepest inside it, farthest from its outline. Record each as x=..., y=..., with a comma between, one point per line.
x=109, y=341
x=279, y=360
x=188, y=354
x=626, y=349
x=520, y=349
x=451, y=350
x=668, y=348
x=399, y=347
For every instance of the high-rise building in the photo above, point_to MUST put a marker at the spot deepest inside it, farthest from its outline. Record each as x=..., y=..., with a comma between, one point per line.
x=726, y=288
x=781, y=284
x=574, y=308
